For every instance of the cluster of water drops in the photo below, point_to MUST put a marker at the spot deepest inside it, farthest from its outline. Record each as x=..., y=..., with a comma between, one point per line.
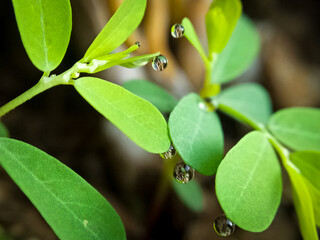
x=159, y=63
x=223, y=226
x=182, y=172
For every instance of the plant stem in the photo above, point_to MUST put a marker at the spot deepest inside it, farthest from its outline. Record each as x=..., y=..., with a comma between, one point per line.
x=242, y=118
x=282, y=151
x=35, y=90
x=44, y=84
x=209, y=89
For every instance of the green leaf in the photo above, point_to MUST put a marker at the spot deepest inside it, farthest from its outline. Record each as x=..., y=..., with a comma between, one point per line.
x=191, y=35
x=315, y=196
x=73, y=208
x=298, y=128
x=248, y=183
x=220, y=22
x=241, y=50
x=45, y=29
x=197, y=134
x=248, y=99
x=308, y=162
x=136, y=117
x=3, y=130
x=303, y=204
x=190, y=194
x=152, y=93
x=125, y=20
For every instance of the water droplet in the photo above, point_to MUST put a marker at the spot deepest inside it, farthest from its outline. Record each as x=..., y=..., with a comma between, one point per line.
x=169, y=154
x=177, y=31
x=203, y=106
x=183, y=173
x=223, y=226
x=159, y=63
x=137, y=43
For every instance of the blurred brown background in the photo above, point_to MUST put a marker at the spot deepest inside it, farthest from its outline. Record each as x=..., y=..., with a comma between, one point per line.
x=61, y=123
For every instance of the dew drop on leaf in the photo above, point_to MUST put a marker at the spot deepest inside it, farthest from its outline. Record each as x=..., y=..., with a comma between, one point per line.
x=183, y=173
x=223, y=226
x=137, y=43
x=159, y=63
x=177, y=31
x=169, y=154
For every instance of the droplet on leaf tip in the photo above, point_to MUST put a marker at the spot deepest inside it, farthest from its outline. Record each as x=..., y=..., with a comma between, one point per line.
x=177, y=31
x=183, y=173
x=137, y=43
x=169, y=154
x=159, y=63
x=223, y=226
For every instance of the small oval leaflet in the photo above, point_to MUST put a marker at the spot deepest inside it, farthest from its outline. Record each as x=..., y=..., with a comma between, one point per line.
x=183, y=173
x=169, y=154
x=223, y=226
x=159, y=63
x=177, y=30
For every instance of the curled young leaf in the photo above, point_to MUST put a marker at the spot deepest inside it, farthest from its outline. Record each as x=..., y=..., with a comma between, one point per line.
x=125, y=20
x=220, y=22
x=134, y=116
x=72, y=207
x=249, y=184
x=191, y=35
x=45, y=29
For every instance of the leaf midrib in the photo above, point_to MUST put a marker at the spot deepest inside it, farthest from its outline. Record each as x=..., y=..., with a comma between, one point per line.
x=45, y=48
x=123, y=113
x=52, y=194
x=245, y=187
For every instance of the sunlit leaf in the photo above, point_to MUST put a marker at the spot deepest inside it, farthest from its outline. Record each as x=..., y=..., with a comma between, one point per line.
x=73, y=208
x=190, y=194
x=249, y=184
x=303, y=204
x=125, y=20
x=220, y=22
x=248, y=99
x=134, y=116
x=197, y=134
x=192, y=36
x=308, y=163
x=152, y=93
x=45, y=29
x=298, y=128
x=241, y=50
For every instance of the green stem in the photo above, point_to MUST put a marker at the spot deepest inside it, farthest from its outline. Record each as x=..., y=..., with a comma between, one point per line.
x=242, y=118
x=209, y=89
x=44, y=84
x=282, y=151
